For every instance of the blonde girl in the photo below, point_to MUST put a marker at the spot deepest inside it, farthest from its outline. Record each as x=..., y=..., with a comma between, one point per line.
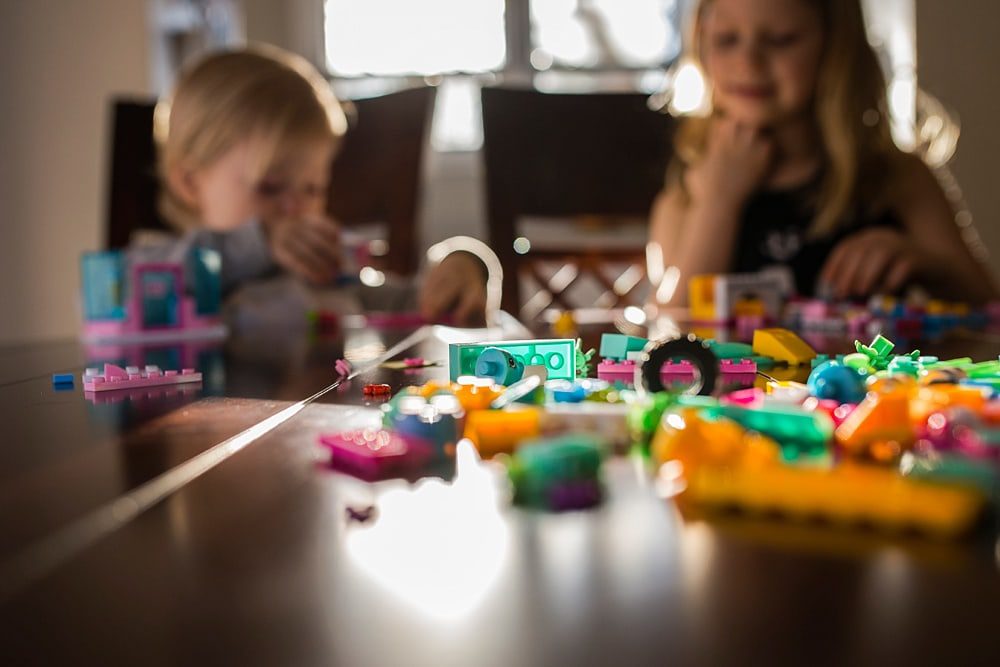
x=795, y=165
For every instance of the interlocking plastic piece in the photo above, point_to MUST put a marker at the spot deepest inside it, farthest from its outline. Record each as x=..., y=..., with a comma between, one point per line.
x=501, y=431
x=730, y=350
x=799, y=432
x=882, y=418
x=475, y=393
x=846, y=495
x=500, y=366
x=689, y=347
x=524, y=390
x=730, y=366
x=833, y=380
x=617, y=371
x=617, y=346
x=62, y=380
x=376, y=390
x=437, y=420
x=787, y=391
x=782, y=345
x=564, y=391
x=375, y=453
x=557, y=355
x=558, y=474
x=116, y=377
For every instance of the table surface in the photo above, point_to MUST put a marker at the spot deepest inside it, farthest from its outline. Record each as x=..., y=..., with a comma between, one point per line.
x=128, y=535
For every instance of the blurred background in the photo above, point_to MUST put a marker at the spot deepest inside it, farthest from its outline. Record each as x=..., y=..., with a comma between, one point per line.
x=63, y=62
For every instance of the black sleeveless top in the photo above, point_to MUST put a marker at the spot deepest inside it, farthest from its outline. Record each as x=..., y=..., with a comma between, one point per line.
x=774, y=230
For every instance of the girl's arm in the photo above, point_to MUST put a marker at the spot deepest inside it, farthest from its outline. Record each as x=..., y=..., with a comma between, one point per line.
x=950, y=267
x=693, y=237
x=697, y=233
x=930, y=250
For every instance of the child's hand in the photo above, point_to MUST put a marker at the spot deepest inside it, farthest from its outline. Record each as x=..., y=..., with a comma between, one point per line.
x=735, y=163
x=309, y=248
x=456, y=286
x=873, y=261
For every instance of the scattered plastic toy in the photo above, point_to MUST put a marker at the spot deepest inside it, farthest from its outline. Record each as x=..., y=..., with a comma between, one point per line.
x=131, y=377
x=376, y=390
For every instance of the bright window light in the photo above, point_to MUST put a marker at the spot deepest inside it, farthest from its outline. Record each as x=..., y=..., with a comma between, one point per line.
x=606, y=33
x=399, y=37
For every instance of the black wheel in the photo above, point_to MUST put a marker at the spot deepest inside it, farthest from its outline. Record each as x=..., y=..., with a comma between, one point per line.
x=688, y=347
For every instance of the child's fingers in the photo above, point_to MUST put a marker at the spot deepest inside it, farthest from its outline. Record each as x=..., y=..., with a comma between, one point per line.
x=900, y=271
x=832, y=269
x=306, y=260
x=877, y=260
x=435, y=299
x=846, y=279
x=471, y=308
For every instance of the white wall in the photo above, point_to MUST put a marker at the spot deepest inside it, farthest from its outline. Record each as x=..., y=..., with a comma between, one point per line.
x=957, y=55
x=59, y=63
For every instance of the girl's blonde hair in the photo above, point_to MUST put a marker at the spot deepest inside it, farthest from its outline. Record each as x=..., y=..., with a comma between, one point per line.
x=262, y=93
x=851, y=113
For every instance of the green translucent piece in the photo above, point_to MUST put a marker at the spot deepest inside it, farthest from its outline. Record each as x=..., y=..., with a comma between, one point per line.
x=558, y=355
x=960, y=363
x=644, y=417
x=799, y=432
x=882, y=346
x=617, y=346
x=904, y=366
x=582, y=360
x=984, y=370
x=858, y=361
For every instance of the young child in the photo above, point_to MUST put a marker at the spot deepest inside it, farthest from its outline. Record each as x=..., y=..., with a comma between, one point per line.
x=795, y=164
x=245, y=145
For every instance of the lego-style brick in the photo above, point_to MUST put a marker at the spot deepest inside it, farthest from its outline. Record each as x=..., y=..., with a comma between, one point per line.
x=618, y=346
x=373, y=454
x=782, y=345
x=116, y=377
x=557, y=355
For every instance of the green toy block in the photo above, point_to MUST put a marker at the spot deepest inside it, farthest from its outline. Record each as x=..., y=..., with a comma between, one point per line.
x=730, y=350
x=558, y=473
x=800, y=433
x=617, y=346
x=558, y=355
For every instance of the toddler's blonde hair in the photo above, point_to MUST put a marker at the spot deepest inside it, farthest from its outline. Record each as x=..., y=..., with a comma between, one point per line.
x=262, y=93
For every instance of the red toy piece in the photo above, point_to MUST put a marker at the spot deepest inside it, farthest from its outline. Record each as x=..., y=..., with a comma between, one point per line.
x=376, y=390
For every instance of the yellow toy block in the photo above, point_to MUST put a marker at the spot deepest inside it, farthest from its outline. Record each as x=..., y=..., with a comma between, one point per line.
x=846, y=494
x=701, y=298
x=782, y=345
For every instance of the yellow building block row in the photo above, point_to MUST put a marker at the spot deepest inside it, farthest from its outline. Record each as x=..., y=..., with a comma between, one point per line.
x=847, y=495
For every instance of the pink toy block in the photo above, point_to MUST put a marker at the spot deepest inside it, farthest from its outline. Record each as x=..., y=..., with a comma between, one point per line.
x=375, y=453
x=116, y=377
x=748, y=366
x=745, y=397
x=616, y=371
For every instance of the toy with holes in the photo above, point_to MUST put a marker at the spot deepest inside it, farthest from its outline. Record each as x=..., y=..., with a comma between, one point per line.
x=131, y=301
x=131, y=377
x=557, y=356
x=620, y=354
x=558, y=474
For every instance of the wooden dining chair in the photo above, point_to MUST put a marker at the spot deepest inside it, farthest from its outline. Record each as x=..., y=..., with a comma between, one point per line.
x=592, y=160
x=375, y=177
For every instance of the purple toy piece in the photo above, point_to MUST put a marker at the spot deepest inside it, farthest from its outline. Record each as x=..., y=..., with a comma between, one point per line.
x=375, y=453
x=574, y=495
x=116, y=377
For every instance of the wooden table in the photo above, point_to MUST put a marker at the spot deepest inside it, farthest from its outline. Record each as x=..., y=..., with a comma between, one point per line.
x=254, y=561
